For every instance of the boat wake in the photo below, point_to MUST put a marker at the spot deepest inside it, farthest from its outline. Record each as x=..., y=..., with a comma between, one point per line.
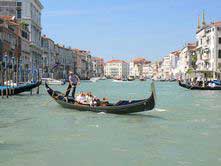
x=160, y=110
x=101, y=113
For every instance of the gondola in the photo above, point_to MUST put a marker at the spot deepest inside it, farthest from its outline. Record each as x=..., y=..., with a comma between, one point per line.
x=198, y=87
x=121, y=107
x=19, y=89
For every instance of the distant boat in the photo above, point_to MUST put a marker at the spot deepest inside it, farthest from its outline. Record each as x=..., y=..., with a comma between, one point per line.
x=4, y=90
x=103, y=78
x=131, y=78
x=117, y=81
x=94, y=79
x=52, y=81
x=142, y=78
x=190, y=87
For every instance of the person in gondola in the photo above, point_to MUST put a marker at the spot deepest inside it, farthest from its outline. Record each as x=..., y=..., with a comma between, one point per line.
x=73, y=82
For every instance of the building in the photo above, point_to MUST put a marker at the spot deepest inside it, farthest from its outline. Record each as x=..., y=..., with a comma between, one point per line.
x=8, y=8
x=10, y=48
x=48, y=56
x=28, y=12
x=185, y=62
x=208, y=50
x=62, y=62
x=166, y=68
x=84, y=65
x=136, y=67
x=116, y=69
x=174, y=58
x=148, y=70
x=25, y=58
x=98, y=66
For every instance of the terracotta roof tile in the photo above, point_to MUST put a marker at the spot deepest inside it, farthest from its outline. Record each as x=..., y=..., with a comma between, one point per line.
x=116, y=61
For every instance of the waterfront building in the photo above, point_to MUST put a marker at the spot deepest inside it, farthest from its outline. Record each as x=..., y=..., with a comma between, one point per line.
x=166, y=68
x=10, y=48
x=155, y=66
x=89, y=65
x=84, y=66
x=209, y=49
x=8, y=8
x=160, y=69
x=148, y=70
x=48, y=56
x=116, y=69
x=28, y=12
x=174, y=58
x=62, y=62
x=185, y=62
x=136, y=67
x=24, y=73
x=98, y=66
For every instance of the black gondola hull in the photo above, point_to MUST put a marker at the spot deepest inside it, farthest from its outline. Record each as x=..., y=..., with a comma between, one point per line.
x=133, y=107
x=197, y=87
x=21, y=89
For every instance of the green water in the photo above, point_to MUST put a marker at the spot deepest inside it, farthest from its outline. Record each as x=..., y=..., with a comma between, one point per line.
x=184, y=129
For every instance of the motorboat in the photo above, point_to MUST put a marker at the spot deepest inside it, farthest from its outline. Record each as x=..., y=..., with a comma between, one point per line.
x=51, y=81
x=94, y=79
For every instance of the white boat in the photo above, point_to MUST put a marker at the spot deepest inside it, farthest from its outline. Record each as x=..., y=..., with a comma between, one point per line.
x=103, y=78
x=94, y=79
x=117, y=81
x=52, y=81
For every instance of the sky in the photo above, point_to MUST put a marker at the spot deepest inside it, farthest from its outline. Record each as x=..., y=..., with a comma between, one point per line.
x=125, y=29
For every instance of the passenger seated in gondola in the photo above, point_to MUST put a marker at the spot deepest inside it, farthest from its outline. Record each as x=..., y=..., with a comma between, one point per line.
x=104, y=102
x=81, y=98
x=89, y=98
x=96, y=101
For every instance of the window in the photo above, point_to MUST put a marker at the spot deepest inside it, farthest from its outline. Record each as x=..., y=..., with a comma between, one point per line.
x=18, y=14
x=219, y=40
x=219, y=55
x=19, y=4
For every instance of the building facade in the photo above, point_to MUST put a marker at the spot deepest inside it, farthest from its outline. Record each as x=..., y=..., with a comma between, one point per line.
x=136, y=67
x=209, y=49
x=28, y=12
x=116, y=69
x=98, y=66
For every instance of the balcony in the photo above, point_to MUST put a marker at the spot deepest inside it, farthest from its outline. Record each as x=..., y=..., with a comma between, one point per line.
x=205, y=57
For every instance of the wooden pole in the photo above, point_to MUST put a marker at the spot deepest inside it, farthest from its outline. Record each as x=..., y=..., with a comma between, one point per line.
x=38, y=80
x=6, y=73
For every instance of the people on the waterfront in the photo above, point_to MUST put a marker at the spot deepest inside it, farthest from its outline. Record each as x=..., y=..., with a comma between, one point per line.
x=73, y=80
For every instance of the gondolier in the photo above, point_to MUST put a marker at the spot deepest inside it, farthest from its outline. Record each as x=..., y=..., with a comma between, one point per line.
x=73, y=82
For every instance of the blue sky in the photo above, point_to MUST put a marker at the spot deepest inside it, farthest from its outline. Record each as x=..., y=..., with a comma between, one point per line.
x=124, y=29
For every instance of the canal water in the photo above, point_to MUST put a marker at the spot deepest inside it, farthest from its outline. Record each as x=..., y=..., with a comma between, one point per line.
x=184, y=129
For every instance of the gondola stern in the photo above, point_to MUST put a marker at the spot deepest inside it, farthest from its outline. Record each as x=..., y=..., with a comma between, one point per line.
x=153, y=89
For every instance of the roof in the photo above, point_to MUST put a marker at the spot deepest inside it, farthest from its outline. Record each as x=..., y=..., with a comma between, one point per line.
x=139, y=59
x=191, y=46
x=216, y=24
x=116, y=61
x=176, y=53
x=9, y=18
x=97, y=58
